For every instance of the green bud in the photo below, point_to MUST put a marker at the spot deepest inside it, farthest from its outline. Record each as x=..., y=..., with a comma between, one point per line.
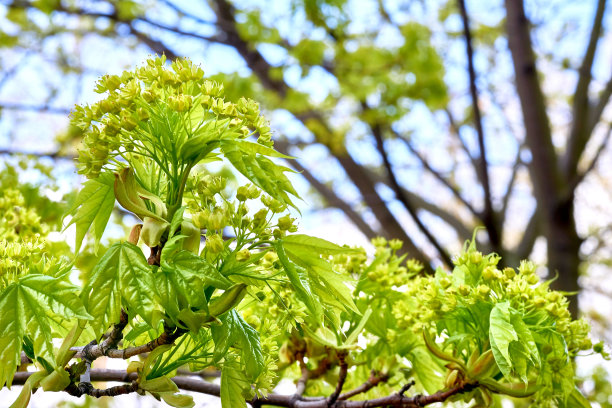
x=509, y=273
x=284, y=223
x=243, y=255
x=476, y=257
x=243, y=193
x=214, y=243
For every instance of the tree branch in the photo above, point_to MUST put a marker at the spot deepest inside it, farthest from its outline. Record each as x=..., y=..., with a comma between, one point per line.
x=203, y=387
x=579, y=135
x=438, y=176
x=341, y=378
x=454, y=127
x=399, y=193
x=600, y=106
x=372, y=382
x=595, y=159
x=543, y=166
x=488, y=215
x=515, y=168
x=532, y=231
x=36, y=108
x=329, y=195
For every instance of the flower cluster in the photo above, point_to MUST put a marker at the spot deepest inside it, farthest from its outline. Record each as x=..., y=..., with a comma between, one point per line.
x=153, y=106
x=18, y=221
x=480, y=303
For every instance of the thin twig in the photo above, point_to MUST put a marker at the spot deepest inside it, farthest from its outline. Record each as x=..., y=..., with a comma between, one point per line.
x=399, y=193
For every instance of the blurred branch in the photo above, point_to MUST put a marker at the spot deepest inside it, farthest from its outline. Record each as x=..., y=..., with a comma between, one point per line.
x=457, y=133
x=463, y=231
x=532, y=231
x=329, y=195
x=399, y=193
x=507, y=195
x=488, y=215
x=579, y=135
x=600, y=106
x=543, y=166
x=595, y=158
x=186, y=14
x=35, y=108
x=437, y=175
x=256, y=62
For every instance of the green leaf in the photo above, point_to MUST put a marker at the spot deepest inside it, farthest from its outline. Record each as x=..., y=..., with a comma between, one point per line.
x=357, y=330
x=233, y=384
x=502, y=333
x=92, y=208
x=177, y=219
x=300, y=282
x=260, y=170
x=306, y=251
x=122, y=277
x=312, y=245
x=577, y=400
x=23, y=399
x=234, y=330
x=25, y=308
x=525, y=338
x=191, y=265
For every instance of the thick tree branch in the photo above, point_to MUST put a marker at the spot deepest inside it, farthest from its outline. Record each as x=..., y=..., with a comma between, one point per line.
x=256, y=62
x=200, y=386
x=543, y=166
x=488, y=215
x=579, y=135
x=372, y=382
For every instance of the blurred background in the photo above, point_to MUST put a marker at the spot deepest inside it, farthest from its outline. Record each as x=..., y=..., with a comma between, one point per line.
x=412, y=119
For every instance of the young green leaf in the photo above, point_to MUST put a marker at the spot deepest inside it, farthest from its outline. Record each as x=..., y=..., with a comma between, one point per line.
x=234, y=330
x=233, y=384
x=121, y=278
x=193, y=266
x=502, y=333
x=261, y=171
x=299, y=282
x=92, y=208
x=24, y=309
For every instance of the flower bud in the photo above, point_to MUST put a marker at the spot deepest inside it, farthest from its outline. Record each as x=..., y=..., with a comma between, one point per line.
x=214, y=243
x=243, y=255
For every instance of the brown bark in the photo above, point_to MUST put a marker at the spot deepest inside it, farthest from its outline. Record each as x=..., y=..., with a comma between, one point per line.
x=554, y=202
